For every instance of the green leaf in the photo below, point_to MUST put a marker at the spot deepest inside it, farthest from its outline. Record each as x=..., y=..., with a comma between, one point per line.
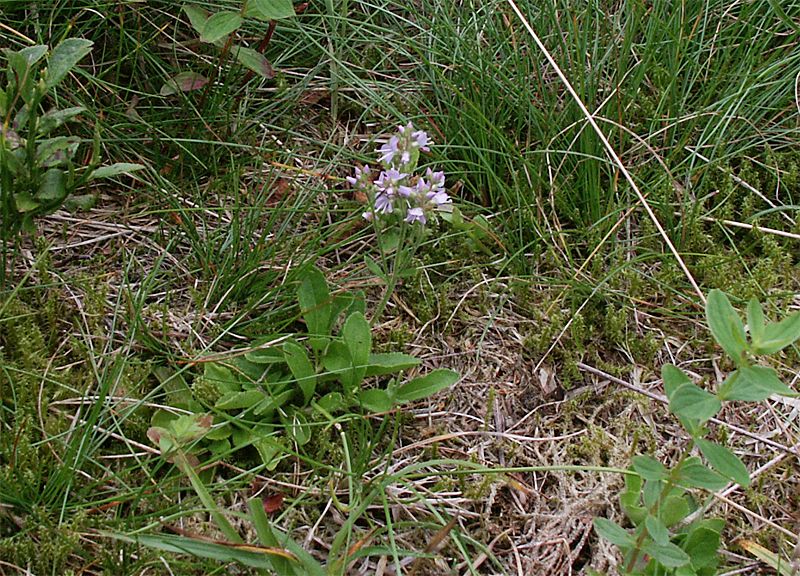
x=64, y=58
x=702, y=545
x=376, y=400
x=724, y=461
x=24, y=202
x=667, y=554
x=219, y=26
x=32, y=54
x=197, y=17
x=357, y=336
x=657, y=530
x=427, y=385
x=183, y=82
x=222, y=376
x=271, y=403
x=53, y=187
x=297, y=426
x=649, y=468
x=301, y=368
x=630, y=499
x=315, y=302
x=755, y=320
x=726, y=325
x=255, y=61
x=55, y=118
x=753, y=384
x=617, y=535
x=115, y=169
x=238, y=400
x=778, y=335
x=373, y=267
x=56, y=151
x=331, y=402
x=80, y=201
x=337, y=358
x=253, y=556
x=674, y=509
x=270, y=9
x=390, y=363
x=692, y=402
x=696, y=475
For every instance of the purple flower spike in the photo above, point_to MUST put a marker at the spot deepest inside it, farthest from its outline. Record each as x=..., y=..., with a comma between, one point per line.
x=368, y=216
x=389, y=150
x=389, y=181
x=421, y=140
x=438, y=198
x=362, y=179
x=383, y=204
x=416, y=215
x=436, y=178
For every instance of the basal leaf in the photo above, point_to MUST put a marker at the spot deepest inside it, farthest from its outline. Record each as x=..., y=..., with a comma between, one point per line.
x=270, y=9
x=427, y=385
x=115, y=170
x=301, y=368
x=357, y=336
x=376, y=400
x=390, y=363
x=724, y=461
x=64, y=58
x=726, y=325
x=315, y=302
x=197, y=17
x=53, y=188
x=255, y=61
x=183, y=82
x=219, y=26
x=238, y=400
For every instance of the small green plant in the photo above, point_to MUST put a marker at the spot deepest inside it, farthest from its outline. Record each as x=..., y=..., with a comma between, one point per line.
x=218, y=28
x=286, y=380
x=38, y=172
x=669, y=535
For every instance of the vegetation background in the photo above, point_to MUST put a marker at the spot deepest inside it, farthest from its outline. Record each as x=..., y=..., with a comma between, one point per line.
x=558, y=314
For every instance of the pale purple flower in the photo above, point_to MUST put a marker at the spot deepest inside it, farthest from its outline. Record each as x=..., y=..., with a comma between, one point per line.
x=362, y=179
x=436, y=178
x=383, y=204
x=389, y=181
x=368, y=216
x=437, y=198
x=389, y=150
x=420, y=140
x=416, y=215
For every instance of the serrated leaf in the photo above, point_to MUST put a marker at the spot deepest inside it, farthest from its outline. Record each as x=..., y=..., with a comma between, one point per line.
x=724, y=461
x=726, y=325
x=390, y=363
x=692, y=402
x=239, y=400
x=778, y=335
x=315, y=302
x=667, y=554
x=64, y=58
x=255, y=61
x=649, y=468
x=753, y=384
x=657, y=530
x=115, y=169
x=427, y=385
x=270, y=9
x=376, y=400
x=197, y=17
x=219, y=26
x=695, y=474
x=612, y=532
x=183, y=82
x=301, y=368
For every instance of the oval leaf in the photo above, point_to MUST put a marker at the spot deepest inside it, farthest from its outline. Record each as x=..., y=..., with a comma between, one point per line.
x=753, y=384
x=255, y=61
x=183, y=82
x=301, y=368
x=667, y=554
x=315, y=302
x=657, y=530
x=115, y=170
x=649, y=468
x=427, y=385
x=270, y=9
x=608, y=530
x=775, y=337
x=695, y=474
x=724, y=461
x=389, y=363
x=725, y=324
x=692, y=402
x=64, y=58
x=219, y=26
x=376, y=400
x=197, y=17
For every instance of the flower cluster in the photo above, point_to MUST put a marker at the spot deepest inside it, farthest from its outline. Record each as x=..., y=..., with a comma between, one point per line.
x=397, y=190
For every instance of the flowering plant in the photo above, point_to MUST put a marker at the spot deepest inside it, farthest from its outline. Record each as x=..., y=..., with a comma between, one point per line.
x=401, y=204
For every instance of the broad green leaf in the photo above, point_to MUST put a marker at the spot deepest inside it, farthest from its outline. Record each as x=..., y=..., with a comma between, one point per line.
x=692, y=402
x=724, y=461
x=270, y=355
x=115, y=170
x=674, y=509
x=357, y=336
x=657, y=530
x=222, y=376
x=53, y=187
x=630, y=499
x=753, y=384
x=183, y=82
x=56, y=151
x=238, y=400
x=702, y=545
x=219, y=26
x=726, y=325
x=376, y=400
x=673, y=378
x=427, y=385
x=55, y=118
x=24, y=202
x=331, y=402
x=269, y=404
x=649, y=468
x=247, y=555
x=301, y=368
x=197, y=17
x=612, y=532
x=667, y=554
x=651, y=492
x=297, y=426
x=696, y=475
x=64, y=58
x=315, y=302
x=80, y=201
x=270, y=9
x=33, y=54
x=255, y=61
x=390, y=363
x=337, y=358
x=755, y=321
x=778, y=335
